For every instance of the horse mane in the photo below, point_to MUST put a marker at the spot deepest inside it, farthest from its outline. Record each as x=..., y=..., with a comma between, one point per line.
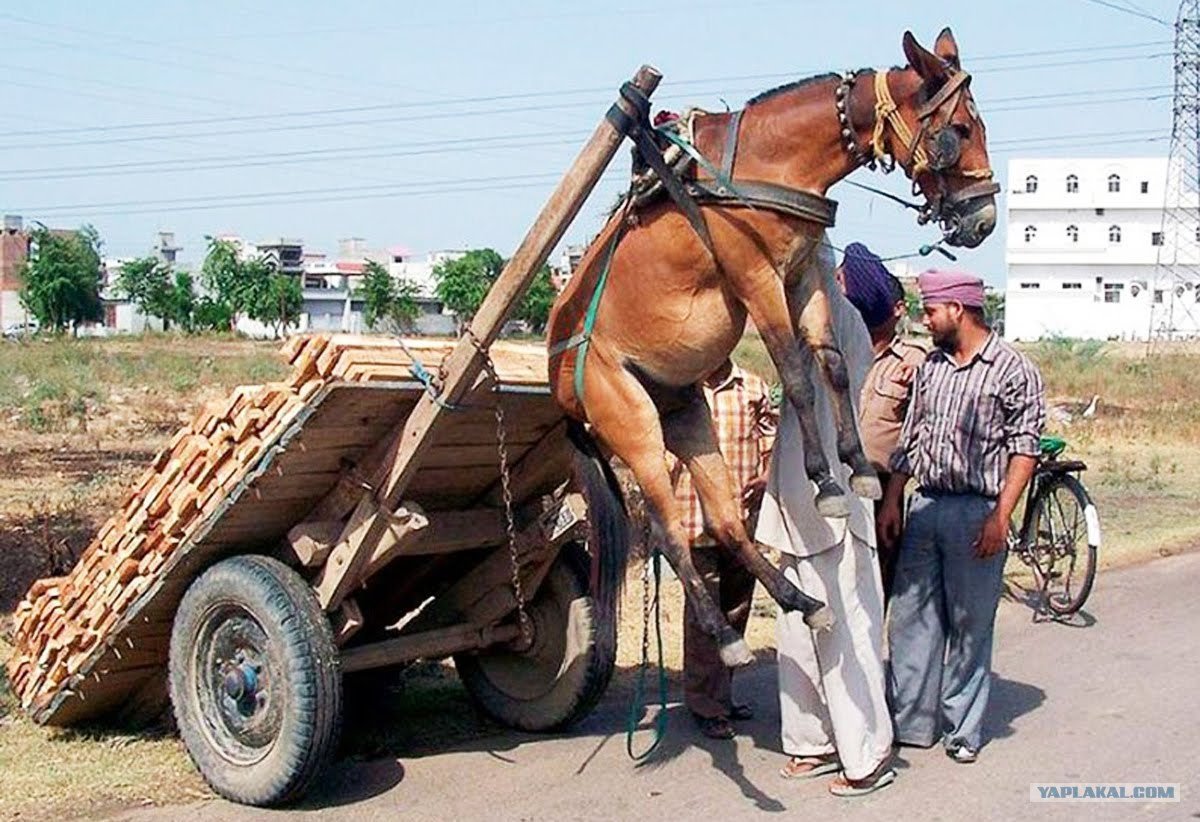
x=807, y=81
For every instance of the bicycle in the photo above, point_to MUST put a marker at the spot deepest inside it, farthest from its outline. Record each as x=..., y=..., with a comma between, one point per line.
x=1059, y=534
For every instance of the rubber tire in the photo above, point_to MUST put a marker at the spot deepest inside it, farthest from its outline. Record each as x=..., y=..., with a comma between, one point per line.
x=1083, y=499
x=574, y=691
x=300, y=635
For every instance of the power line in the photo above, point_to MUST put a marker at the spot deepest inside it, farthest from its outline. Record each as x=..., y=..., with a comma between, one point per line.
x=429, y=116
x=452, y=186
x=387, y=150
x=1127, y=10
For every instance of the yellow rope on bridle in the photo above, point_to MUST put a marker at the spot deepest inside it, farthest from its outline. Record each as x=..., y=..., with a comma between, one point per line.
x=888, y=113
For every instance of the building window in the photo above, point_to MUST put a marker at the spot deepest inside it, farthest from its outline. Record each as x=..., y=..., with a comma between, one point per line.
x=1072, y=184
x=1030, y=184
x=1030, y=233
x=1030, y=286
x=1145, y=187
x=1114, y=183
x=1114, y=234
x=1158, y=296
x=1072, y=286
x=1112, y=292
x=1156, y=238
x=1073, y=233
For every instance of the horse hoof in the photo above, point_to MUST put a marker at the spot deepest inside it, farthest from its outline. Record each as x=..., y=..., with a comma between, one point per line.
x=736, y=654
x=820, y=619
x=866, y=486
x=833, y=505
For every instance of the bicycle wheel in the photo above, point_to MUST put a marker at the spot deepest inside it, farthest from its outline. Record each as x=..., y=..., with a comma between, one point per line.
x=1066, y=538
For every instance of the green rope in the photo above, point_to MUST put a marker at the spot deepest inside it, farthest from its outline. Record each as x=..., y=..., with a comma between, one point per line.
x=695, y=154
x=638, y=705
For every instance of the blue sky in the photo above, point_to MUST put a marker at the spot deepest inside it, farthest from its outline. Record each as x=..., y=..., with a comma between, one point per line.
x=441, y=125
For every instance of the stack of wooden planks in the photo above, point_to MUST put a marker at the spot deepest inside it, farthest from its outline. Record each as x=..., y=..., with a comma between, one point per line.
x=65, y=623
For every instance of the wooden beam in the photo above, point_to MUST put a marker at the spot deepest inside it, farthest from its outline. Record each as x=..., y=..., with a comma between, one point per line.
x=433, y=644
x=403, y=449
x=309, y=543
x=347, y=621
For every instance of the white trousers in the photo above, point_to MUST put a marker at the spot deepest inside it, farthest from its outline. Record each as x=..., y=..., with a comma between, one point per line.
x=831, y=683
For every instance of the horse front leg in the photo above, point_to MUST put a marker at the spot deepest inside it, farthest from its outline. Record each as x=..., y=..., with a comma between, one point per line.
x=690, y=435
x=817, y=335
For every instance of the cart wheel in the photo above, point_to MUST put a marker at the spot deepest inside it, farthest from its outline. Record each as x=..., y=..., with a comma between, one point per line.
x=559, y=678
x=255, y=680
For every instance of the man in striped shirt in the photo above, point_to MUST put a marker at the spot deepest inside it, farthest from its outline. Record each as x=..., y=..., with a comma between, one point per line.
x=970, y=440
x=744, y=419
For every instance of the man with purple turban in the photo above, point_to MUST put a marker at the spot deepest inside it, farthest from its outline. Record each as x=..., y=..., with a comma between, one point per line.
x=970, y=440
x=879, y=297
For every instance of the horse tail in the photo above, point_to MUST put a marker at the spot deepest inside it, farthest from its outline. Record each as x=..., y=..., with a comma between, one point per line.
x=608, y=532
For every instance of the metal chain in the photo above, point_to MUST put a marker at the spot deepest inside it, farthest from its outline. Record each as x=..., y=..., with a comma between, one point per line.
x=505, y=488
x=648, y=548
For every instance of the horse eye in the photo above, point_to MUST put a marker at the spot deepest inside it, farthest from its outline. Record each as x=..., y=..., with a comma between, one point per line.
x=962, y=130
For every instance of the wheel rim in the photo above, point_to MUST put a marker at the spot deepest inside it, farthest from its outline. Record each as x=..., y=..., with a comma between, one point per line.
x=1061, y=551
x=235, y=677
x=531, y=673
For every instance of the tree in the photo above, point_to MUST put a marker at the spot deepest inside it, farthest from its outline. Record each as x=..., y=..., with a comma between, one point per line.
x=462, y=284
x=223, y=275
x=146, y=282
x=993, y=310
x=535, y=307
x=181, y=300
x=277, y=299
x=388, y=303
x=63, y=278
x=250, y=287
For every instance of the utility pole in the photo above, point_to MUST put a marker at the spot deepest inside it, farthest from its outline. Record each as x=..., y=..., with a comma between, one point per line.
x=1175, y=299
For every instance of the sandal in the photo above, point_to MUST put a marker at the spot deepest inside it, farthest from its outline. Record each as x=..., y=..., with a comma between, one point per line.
x=806, y=767
x=882, y=776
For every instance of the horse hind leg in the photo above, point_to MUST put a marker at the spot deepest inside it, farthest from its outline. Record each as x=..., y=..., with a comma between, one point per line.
x=625, y=419
x=690, y=435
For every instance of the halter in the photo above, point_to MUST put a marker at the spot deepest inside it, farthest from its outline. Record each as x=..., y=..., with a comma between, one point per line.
x=939, y=159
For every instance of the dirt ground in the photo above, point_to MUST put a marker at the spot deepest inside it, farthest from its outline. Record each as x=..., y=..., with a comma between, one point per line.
x=80, y=419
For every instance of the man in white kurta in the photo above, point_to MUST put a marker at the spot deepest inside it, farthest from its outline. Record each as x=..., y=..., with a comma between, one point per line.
x=831, y=683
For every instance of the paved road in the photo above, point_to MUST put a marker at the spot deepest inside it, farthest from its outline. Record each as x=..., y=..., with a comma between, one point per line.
x=1111, y=701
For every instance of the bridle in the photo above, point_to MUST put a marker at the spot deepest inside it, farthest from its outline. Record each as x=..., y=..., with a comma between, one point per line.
x=934, y=148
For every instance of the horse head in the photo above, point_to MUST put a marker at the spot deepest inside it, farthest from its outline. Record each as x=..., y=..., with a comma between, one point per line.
x=934, y=132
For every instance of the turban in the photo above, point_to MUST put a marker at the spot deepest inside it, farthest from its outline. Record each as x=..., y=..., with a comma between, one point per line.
x=870, y=287
x=950, y=287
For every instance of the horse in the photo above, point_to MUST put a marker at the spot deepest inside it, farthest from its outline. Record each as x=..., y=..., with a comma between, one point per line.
x=658, y=302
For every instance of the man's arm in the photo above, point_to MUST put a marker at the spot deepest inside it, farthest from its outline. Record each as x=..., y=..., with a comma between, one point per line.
x=890, y=518
x=1023, y=402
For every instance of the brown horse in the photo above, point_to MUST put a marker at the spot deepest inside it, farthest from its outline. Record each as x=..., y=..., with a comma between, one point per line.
x=669, y=306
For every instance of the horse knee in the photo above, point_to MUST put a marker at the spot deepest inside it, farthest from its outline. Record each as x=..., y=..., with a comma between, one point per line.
x=834, y=366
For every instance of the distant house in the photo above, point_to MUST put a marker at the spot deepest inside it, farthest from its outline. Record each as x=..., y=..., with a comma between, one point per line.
x=1090, y=254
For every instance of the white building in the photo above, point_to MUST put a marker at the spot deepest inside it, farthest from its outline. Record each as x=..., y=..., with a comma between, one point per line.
x=1085, y=238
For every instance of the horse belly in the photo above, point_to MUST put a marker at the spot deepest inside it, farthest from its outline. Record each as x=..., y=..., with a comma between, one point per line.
x=677, y=342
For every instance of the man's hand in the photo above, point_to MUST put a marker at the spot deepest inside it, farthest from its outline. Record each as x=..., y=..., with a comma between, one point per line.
x=888, y=525
x=993, y=537
x=752, y=494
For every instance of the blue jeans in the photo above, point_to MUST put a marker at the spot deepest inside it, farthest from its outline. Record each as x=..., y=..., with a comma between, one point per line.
x=943, y=614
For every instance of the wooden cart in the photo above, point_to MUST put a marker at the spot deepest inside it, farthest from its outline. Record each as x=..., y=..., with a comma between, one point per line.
x=358, y=515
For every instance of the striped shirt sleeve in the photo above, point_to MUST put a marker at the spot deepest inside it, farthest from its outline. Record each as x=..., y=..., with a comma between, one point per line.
x=1023, y=403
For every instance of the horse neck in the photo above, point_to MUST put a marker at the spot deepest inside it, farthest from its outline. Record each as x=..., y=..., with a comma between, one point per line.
x=794, y=137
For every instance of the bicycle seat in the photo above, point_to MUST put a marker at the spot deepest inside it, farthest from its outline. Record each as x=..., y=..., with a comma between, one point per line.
x=1052, y=446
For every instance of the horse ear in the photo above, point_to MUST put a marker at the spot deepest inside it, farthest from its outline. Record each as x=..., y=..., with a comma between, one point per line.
x=927, y=64
x=947, y=49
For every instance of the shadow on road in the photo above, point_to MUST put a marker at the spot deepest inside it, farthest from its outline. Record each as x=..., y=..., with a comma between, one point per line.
x=1009, y=701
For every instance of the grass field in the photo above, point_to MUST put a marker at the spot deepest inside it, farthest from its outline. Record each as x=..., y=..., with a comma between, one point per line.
x=80, y=418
